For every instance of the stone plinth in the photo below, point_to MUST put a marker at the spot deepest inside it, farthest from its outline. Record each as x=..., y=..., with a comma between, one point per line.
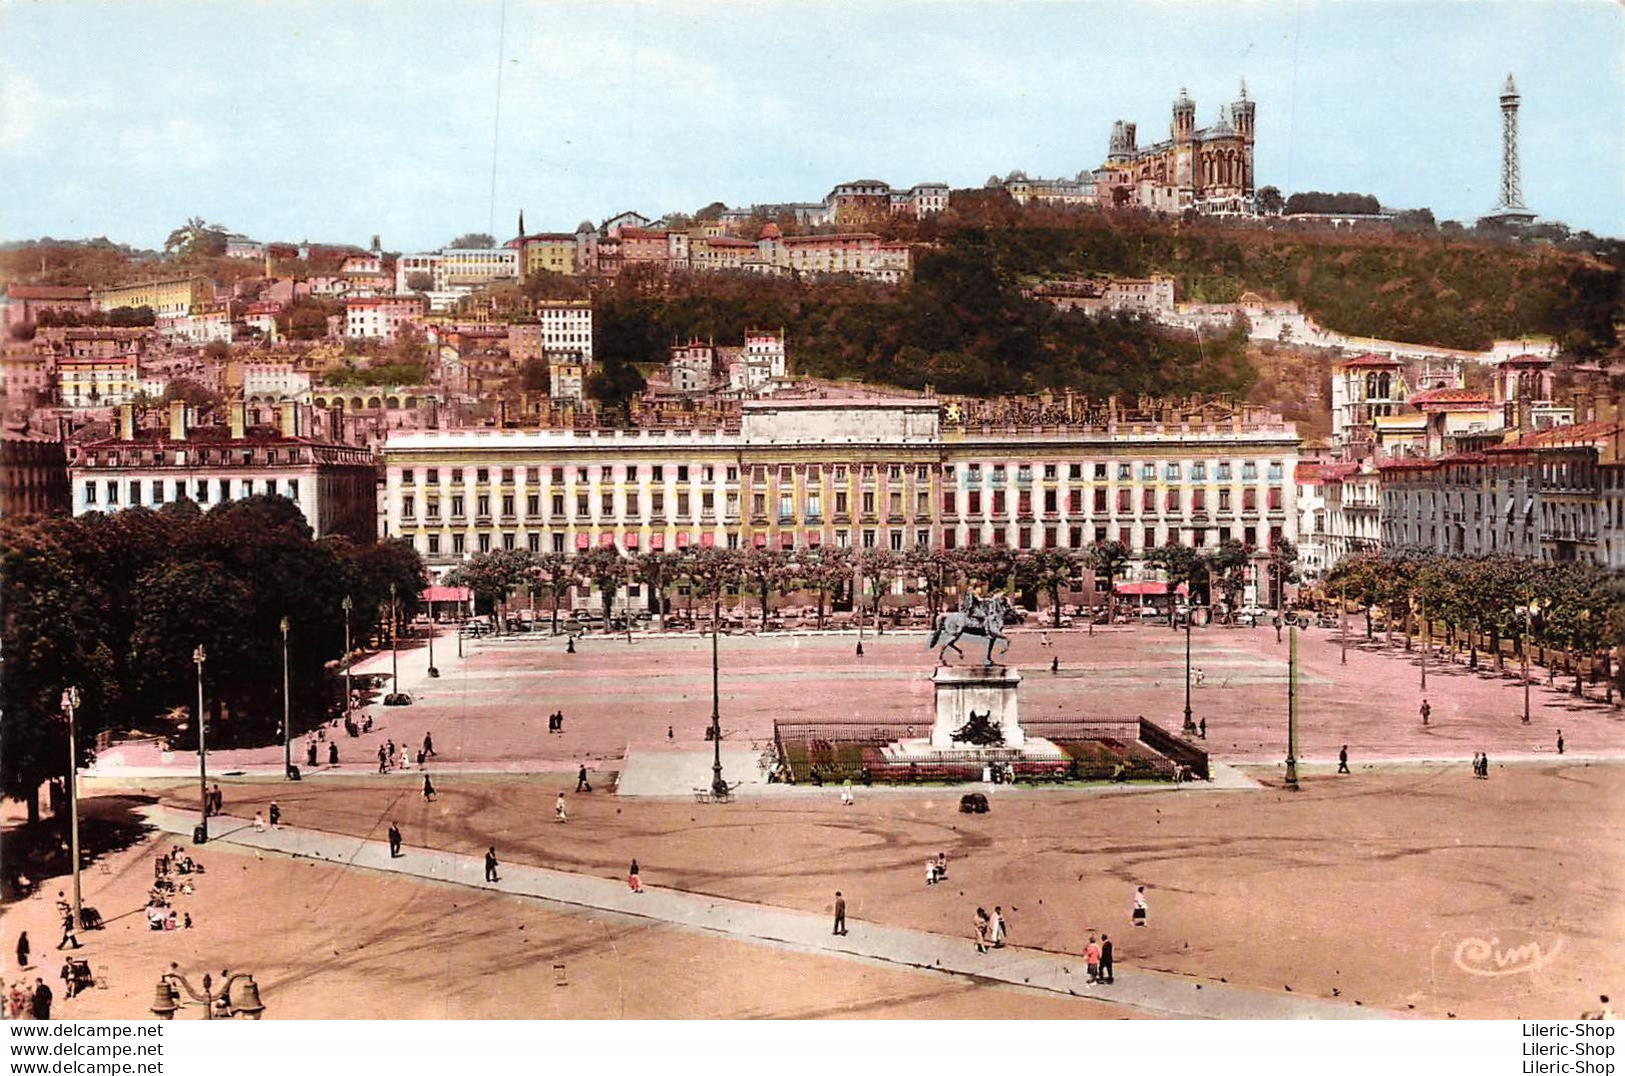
x=980, y=689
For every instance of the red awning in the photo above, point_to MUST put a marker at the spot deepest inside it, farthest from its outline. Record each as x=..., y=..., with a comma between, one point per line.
x=631, y=541
x=707, y=539
x=814, y=539
x=757, y=540
x=787, y=540
x=1141, y=589
x=445, y=594
x=657, y=541
x=682, y=539
x=606, y=539
x=581, y=541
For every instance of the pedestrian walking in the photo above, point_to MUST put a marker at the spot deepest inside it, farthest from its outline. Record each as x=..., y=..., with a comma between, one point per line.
x=394, y=841
x=581, y=779
x=275, y=815
x=1426, y=710
x=560, y=812
x=22, y=949
x=670, y=733
x=1343, y=759
x=1043, y=638
x=66, y=975
x=491, y=864
x=420, y=758
x=1560, y=741
x=1484, y=765
x=846, y=792
x=840, y=914
x=1475, y=763
x=1091, y=958
x=428, y=789
x=259, y=822
x=981, y=923
x=383, y=760
x=1106, y=958
x=1201, y=728
x=632, y=881
x=39, y=1004
x=1138, y=917
x=332, y=752
x=219, y=801
x=860, y=648
x=310, y=753
x=570, y=645
x=428, y=745
x=996, y=928
x=560, y=720
x=1055, y=664
x=70, y=929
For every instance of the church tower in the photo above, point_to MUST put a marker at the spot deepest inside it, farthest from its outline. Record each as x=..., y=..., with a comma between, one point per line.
x=1242, y=117
x=1184, y=133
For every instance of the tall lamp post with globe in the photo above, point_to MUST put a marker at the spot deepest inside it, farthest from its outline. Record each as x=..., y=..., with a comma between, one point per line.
x=287, y=709
x=70, y=703
x=201, y=836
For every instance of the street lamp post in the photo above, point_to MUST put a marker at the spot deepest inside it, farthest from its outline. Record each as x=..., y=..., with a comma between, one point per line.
x=1292, y=710
x=347, y=605
x=202, y=835
x=287, y=709
x=1427, y=644
x=433, y=672
x=1529, y=616
x=1190, y=725
x=394, y=650
x=719, y=787
x=70, y=703
x=1343, y=623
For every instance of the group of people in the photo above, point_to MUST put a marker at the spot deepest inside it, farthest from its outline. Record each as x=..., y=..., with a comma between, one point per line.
x=275, y=813
x=555, y=721
x=29, y=1003
x=936, y=869
x=1481, y=765
x=990, y=929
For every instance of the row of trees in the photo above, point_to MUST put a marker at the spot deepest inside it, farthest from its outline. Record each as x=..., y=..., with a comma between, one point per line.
x=1574, y=609
x=832, y=577
x=114, y=604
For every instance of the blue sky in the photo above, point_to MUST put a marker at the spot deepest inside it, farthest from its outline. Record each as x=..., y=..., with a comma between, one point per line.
x=335, y=121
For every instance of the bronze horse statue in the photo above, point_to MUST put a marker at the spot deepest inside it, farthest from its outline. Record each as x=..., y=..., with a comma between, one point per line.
x=984, y=617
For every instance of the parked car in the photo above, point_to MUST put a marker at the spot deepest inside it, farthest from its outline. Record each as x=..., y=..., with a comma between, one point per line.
x=1252, y=615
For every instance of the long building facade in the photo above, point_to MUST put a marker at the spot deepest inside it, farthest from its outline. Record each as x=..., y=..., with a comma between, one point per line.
x=858, y=473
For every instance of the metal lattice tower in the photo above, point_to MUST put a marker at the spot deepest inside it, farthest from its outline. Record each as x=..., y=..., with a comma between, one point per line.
x=1510, y=207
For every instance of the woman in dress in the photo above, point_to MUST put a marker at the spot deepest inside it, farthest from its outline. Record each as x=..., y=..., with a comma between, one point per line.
x=1139, y=907
x=981, y=930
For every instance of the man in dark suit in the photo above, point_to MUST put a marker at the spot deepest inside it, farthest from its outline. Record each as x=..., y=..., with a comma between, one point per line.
x=39, y=1005
x=491, y=864
x=1105, y=958
x=394, y=841
x=840, y=914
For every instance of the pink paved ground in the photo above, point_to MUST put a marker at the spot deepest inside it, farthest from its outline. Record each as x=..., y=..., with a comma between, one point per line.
x=491, y=709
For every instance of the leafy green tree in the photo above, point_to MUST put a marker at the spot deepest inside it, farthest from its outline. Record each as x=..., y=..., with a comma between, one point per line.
x=1227, y=565
x=766, y=570
x=553, y=573
x=1049, y=570
x=197, y=238
x=51, y=635
x=1108, y=559
x=606, y=569
x=823, y=570
x=472, y=241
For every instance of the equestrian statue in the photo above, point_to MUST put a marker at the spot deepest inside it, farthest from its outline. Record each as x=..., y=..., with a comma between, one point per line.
x=976, y=616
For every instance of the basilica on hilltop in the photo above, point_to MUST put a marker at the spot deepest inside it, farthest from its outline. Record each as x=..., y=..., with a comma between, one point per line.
x=1208, y=169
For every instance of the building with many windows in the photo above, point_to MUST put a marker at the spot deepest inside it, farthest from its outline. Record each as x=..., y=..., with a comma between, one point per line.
x=863, y=472
x=1549, y=495
x=165, y=298
x=334, y=484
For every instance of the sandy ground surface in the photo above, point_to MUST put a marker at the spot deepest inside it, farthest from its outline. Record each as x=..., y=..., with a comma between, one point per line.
x=1398, y=889
x=326, y=942
x=490, y=709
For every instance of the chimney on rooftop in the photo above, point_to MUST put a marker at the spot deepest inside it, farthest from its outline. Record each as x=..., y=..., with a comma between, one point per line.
x=288, y=419
x=177, y=420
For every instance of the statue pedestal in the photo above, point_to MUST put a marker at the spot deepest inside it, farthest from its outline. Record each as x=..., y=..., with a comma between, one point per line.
x=980, y=689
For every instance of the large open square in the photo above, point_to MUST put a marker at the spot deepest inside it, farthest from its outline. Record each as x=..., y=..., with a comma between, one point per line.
x=1406, y=887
